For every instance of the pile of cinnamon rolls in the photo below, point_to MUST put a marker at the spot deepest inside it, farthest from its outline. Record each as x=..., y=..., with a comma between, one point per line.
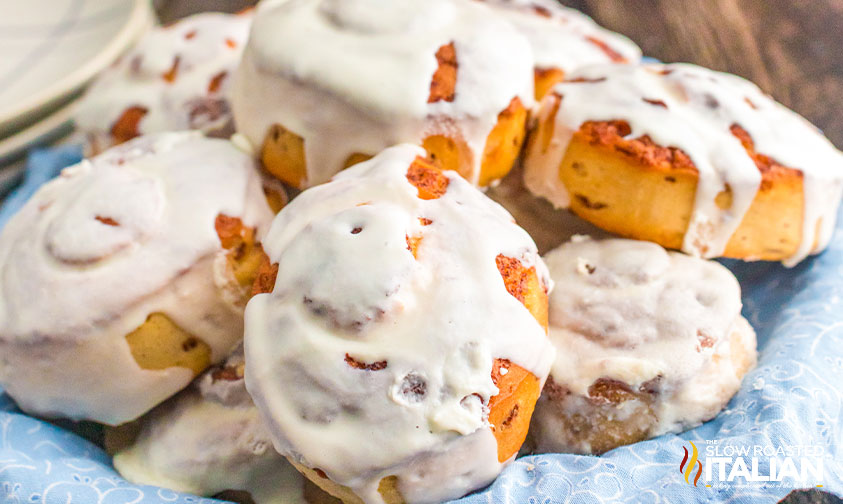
x=391, y=334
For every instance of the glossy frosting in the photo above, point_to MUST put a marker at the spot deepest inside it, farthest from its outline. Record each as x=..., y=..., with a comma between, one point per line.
x=95, y=251
x=632, y=312
x=202, y=51
x=209, y=439
x=699, y=107
x=564, y=38
x=427, y=327
x=353, y=76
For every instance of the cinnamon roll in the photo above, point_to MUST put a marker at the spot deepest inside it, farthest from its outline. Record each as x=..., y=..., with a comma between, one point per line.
x=563, y=39
x=176, y=78
x=127, y=275
x=688, y=158
x=210, y=440
x=648, y=342
x=328, y=83
x=397, y=344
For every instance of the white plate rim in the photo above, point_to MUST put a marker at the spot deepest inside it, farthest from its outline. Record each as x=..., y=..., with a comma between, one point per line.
x=140, y=18
x=25, y=138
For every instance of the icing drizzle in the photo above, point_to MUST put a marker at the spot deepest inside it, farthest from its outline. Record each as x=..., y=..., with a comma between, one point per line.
x=113, y=239
x=176, y=78
x=693, y=109
x=633, y=312
x=210, y=439
x=565, y=38
x=297, y=66
x=380, y=353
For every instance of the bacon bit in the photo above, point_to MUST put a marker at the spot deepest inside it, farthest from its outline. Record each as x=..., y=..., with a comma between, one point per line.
x=751, y=103
x=356, y=364
x=428, y=179
x=216, y=82
x=515, y=276
x=425, y=221
x=706, y=340
x=108, y=221
x=613, y=55
x=189, y=35
x=444, y=82
x=541, y=10
x=320, y=472
x=356, y=230
x=583, y=80
x=170, y=75
x=231, y=43
x=126, y=126
x=658, y=103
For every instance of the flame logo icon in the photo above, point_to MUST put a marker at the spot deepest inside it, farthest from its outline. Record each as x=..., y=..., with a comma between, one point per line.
x=686, y=467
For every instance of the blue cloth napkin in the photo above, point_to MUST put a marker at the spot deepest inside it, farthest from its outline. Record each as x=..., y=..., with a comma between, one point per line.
x=789, y=411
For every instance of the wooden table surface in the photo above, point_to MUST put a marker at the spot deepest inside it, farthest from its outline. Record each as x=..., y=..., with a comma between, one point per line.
x=792, y=49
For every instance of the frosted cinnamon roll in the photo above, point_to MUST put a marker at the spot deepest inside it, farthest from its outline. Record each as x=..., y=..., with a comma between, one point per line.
x=327, y=83
x=176, y=78
x=397, y=346
x=688, y=158
x=127, y=275
x=563, y=39
x=210, y=439
x=648, y=342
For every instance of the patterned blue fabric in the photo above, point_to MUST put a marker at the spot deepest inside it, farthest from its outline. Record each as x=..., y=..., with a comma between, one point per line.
x=793, y=398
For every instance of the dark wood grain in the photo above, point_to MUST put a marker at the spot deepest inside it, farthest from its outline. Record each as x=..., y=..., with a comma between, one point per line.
x=793, y=50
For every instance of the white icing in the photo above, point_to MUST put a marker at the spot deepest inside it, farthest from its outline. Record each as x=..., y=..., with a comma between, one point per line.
x=208, y=439
x=207, y=45
x=73, y=286
x=353, y=76
x=631, y=311
x=560, y=36
x=363, y=294
x=701, y=107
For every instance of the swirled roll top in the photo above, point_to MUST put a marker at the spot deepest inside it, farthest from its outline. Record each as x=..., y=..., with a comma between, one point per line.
x=563, y=39
x=648, y=342
x=345, y=79
x=763, y=182
x=176, y=78
x=134, y=253
x=402, y=341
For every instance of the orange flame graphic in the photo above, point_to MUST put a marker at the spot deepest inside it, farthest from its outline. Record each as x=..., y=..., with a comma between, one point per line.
x=690, y=464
